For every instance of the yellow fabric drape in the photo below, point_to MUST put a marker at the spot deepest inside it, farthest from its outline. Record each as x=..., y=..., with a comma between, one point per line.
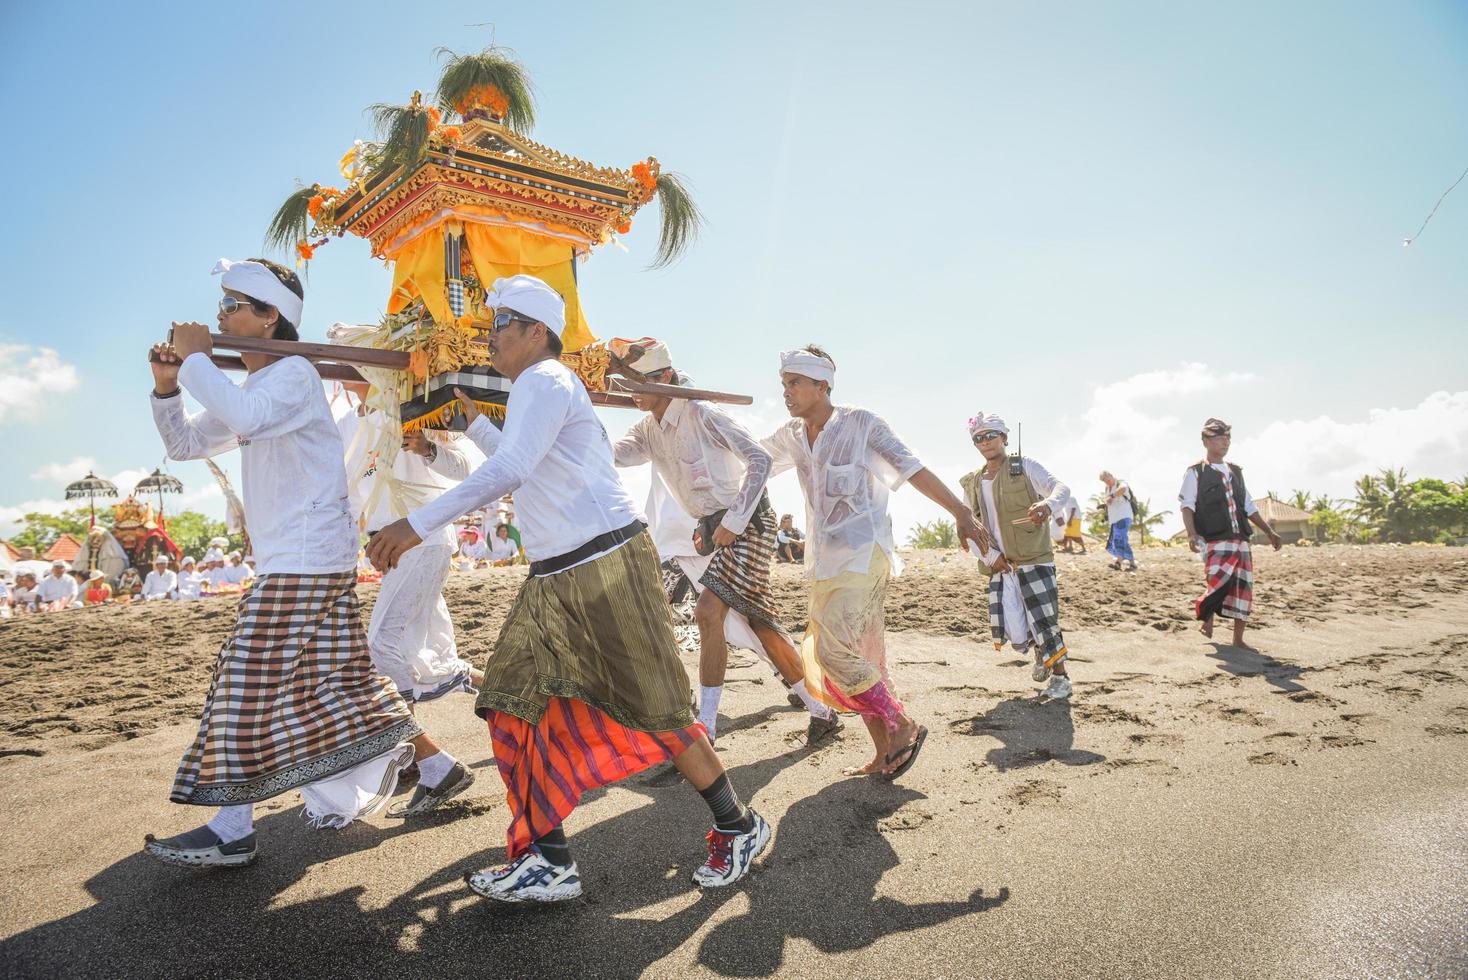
x=500, y=252
x=418, y=272
x=497, y=252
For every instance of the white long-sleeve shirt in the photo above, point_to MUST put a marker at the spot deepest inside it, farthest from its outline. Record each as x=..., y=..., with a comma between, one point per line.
x=420, y=480
x=846, y=476
x=708, y=461
x=190, y=584
x=1051, y=492
x=52, y=588
x=295, y=486
x=554, y=455
x=159, y=585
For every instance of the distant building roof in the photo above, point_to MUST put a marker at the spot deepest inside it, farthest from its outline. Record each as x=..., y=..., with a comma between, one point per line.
x=11, y=550
x=1277, y=510
x=66, y=548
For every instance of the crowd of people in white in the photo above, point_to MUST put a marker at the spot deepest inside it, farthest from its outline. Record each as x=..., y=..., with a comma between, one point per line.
x=63, y=587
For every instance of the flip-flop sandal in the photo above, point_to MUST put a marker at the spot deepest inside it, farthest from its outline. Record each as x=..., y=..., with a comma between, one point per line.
x=912, y=748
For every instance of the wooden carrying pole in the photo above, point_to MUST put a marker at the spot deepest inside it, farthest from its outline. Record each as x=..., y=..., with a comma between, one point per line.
x=337, y=362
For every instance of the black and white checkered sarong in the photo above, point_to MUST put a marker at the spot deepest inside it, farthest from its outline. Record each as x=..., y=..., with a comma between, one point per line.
x=1041, y=597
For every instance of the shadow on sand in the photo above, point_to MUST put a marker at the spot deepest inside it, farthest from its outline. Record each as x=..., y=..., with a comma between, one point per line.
x=1030, y=733
x=818, y=881
x=1248, y=662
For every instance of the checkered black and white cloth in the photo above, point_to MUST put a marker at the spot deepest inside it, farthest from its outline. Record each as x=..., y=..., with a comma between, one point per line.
x=1041, y=597
x=294, y=697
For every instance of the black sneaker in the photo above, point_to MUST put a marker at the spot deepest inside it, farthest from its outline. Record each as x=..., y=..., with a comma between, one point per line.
x=425, y=799
x=822, y=729
x=201, y=848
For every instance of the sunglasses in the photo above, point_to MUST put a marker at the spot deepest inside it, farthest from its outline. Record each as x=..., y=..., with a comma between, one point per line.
x=986, y=436
x=229, y=305
x=503, y=320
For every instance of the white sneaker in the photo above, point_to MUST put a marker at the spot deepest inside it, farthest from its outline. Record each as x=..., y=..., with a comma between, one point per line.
x=1058, y=690
x=731, y=855
x=529, y=878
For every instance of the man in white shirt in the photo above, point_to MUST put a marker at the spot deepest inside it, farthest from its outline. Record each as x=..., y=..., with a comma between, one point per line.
x=5, y=587
x=161, y=583
x=848, y=460
x=1217, y=511
x=25, y=597
x=789, y=541
x=502, y=547
x=1015, y=497
x=584, y=686
x=716, y=471
x=1119, y=515
x=190, y=582
x=294, y=702
x=232, y=570
x=411, y=635
x=57, y=590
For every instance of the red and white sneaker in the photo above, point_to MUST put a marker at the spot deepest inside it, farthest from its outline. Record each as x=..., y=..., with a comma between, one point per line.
x=732, y=855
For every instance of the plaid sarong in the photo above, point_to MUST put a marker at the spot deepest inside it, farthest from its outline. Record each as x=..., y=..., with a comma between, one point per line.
x=600, y=633
x=573, y=749
x=739, y=574
x=1041, y=600
x=1228, y=568
x=294, y=696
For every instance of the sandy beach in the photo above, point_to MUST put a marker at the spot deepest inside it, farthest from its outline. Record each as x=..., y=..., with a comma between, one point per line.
x=1195, y=810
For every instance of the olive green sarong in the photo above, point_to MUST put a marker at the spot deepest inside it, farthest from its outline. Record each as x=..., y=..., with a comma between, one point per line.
x=601, y=633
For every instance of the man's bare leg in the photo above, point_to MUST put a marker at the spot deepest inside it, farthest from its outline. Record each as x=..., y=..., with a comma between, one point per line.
x=1206, y=627
x=877, y=728
x=781, y=653
x=1239, y=626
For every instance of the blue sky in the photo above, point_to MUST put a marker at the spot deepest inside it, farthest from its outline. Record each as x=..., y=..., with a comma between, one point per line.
x=1109, y=221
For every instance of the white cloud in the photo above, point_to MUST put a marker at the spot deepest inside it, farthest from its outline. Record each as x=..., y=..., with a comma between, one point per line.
x=29, y=376
x=66, y=472
x=1327, y=456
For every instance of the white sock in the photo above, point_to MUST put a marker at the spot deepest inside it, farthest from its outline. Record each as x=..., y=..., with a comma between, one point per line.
x=821, y=711
x=433, y=769
x=708, y=706
x=233, y=823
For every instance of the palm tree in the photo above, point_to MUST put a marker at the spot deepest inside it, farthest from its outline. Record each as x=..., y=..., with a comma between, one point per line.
x=1144, y=520
x=1300, y=499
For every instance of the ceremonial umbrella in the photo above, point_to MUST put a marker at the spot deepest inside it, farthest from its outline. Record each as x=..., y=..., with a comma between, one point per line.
x=159, y=482
x=91, y=487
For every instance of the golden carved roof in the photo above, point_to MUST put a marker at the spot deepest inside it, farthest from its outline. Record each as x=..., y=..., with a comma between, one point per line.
x=492, y=166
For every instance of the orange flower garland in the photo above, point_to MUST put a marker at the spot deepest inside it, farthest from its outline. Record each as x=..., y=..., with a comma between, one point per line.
x=314, y=206
x=483, y=95
x=451, y=134
x=433, y=117
x=305, y=250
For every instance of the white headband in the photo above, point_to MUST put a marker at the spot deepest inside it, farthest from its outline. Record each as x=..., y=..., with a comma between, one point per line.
x=805, y=363
x=983, y=423
x=646, y=355
x=532, y=297
x=258, y=282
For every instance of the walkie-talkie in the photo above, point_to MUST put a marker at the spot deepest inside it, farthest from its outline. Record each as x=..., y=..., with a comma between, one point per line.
x=1016, y=459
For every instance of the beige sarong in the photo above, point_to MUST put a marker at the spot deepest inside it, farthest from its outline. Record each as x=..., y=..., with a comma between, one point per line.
x=845, y=649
